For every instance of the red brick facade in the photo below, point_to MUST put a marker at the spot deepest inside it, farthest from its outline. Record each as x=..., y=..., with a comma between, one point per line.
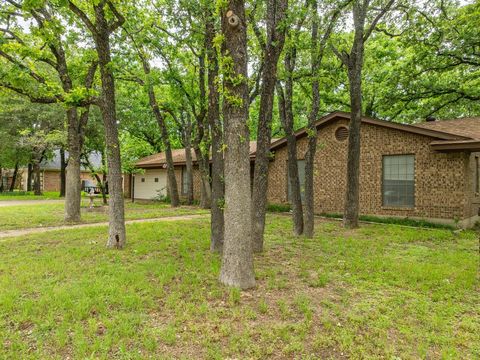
x=444, y=186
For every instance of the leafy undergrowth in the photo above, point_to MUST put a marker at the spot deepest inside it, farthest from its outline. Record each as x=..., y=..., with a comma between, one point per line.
x=41, y=215
x=381, y=291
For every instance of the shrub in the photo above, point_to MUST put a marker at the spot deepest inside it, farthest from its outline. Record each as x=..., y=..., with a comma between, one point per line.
x=278, y=207
x=395, y=221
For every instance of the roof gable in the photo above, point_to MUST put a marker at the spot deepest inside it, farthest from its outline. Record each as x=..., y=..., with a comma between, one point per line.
x=337, y=115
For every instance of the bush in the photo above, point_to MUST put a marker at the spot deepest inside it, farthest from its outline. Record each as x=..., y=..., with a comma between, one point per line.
x=278, y=207
x=395, y=221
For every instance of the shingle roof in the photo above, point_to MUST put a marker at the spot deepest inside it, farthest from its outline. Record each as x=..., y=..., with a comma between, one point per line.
x=469, y=127
x=159, y=159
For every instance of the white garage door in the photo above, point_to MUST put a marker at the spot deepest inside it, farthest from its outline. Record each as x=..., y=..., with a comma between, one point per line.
x=151, y=184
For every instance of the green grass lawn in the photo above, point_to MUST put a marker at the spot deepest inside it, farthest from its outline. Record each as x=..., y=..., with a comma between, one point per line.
x=41, y=215
x=28, y=195
x=382, y=291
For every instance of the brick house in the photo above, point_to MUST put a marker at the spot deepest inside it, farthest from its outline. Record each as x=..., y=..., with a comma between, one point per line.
x=426, y=171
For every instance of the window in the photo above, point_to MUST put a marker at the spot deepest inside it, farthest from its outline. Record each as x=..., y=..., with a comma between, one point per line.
x=156, y=180
x=399, y=180
x=143, y=179
x=477, y=174
x=301, y=178
x=185, y=182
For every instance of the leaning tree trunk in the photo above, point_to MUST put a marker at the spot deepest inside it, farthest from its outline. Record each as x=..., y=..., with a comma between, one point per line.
x=217, y=223
x=14, y=177
x=172, y=181
x=273, y=49
x=72, y=183
x=117, y=233
x=237, y=262
x=63, y=165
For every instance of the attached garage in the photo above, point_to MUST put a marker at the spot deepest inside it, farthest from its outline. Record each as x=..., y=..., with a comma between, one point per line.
x=151, y=184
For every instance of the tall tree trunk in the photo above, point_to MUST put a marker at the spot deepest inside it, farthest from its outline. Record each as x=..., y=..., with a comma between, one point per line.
x=237, y=262
x=117, y=233
x=1, y=179
x=213, y=114
x=309, y=198
x=63, y=165
x=14, y=177
x=354, y=71
x=29, y=176
x=286, y=115
x=72, y=183
x=276, y=10
x=37, y=186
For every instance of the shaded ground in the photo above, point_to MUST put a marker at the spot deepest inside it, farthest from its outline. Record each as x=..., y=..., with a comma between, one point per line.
x=29, y=202
x=37, y=230
x=382, y=291
x=38, y=214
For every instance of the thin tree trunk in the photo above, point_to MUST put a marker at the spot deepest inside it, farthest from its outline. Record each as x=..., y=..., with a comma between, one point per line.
x=203, y=167
x=237, y=262
x=276, y=10
x=172, y=181
x=189, y=170
x=63, y=165
x=1, y=179
x=37, y=186
x=14, y=177
x=29, y=177
x=213, y=114
x=117, y=233
x=286, y=111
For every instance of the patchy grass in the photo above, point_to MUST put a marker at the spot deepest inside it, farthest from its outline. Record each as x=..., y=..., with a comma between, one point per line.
x=41, y=215
x=381, y=291
x=28, y=195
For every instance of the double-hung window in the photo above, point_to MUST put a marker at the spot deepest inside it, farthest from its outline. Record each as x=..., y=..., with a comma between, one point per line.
x=399, y=180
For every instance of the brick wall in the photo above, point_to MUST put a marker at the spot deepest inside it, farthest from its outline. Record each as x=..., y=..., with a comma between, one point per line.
x=51, y=179
x=441, y=179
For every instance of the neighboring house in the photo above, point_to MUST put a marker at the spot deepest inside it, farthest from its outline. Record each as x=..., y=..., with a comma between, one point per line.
x=425, y=171
x=151, y=183
x=50, y=172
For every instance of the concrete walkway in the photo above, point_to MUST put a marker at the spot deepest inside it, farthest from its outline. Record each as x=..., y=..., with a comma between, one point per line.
x=22, y=232
x=5, y=203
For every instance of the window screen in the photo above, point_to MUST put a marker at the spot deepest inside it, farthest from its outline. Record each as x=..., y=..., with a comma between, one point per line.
x=399, y=180
x=301, y=178
x=185, y=183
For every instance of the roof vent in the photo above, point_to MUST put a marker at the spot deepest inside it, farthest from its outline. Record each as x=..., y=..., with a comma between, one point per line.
x=430, y=118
